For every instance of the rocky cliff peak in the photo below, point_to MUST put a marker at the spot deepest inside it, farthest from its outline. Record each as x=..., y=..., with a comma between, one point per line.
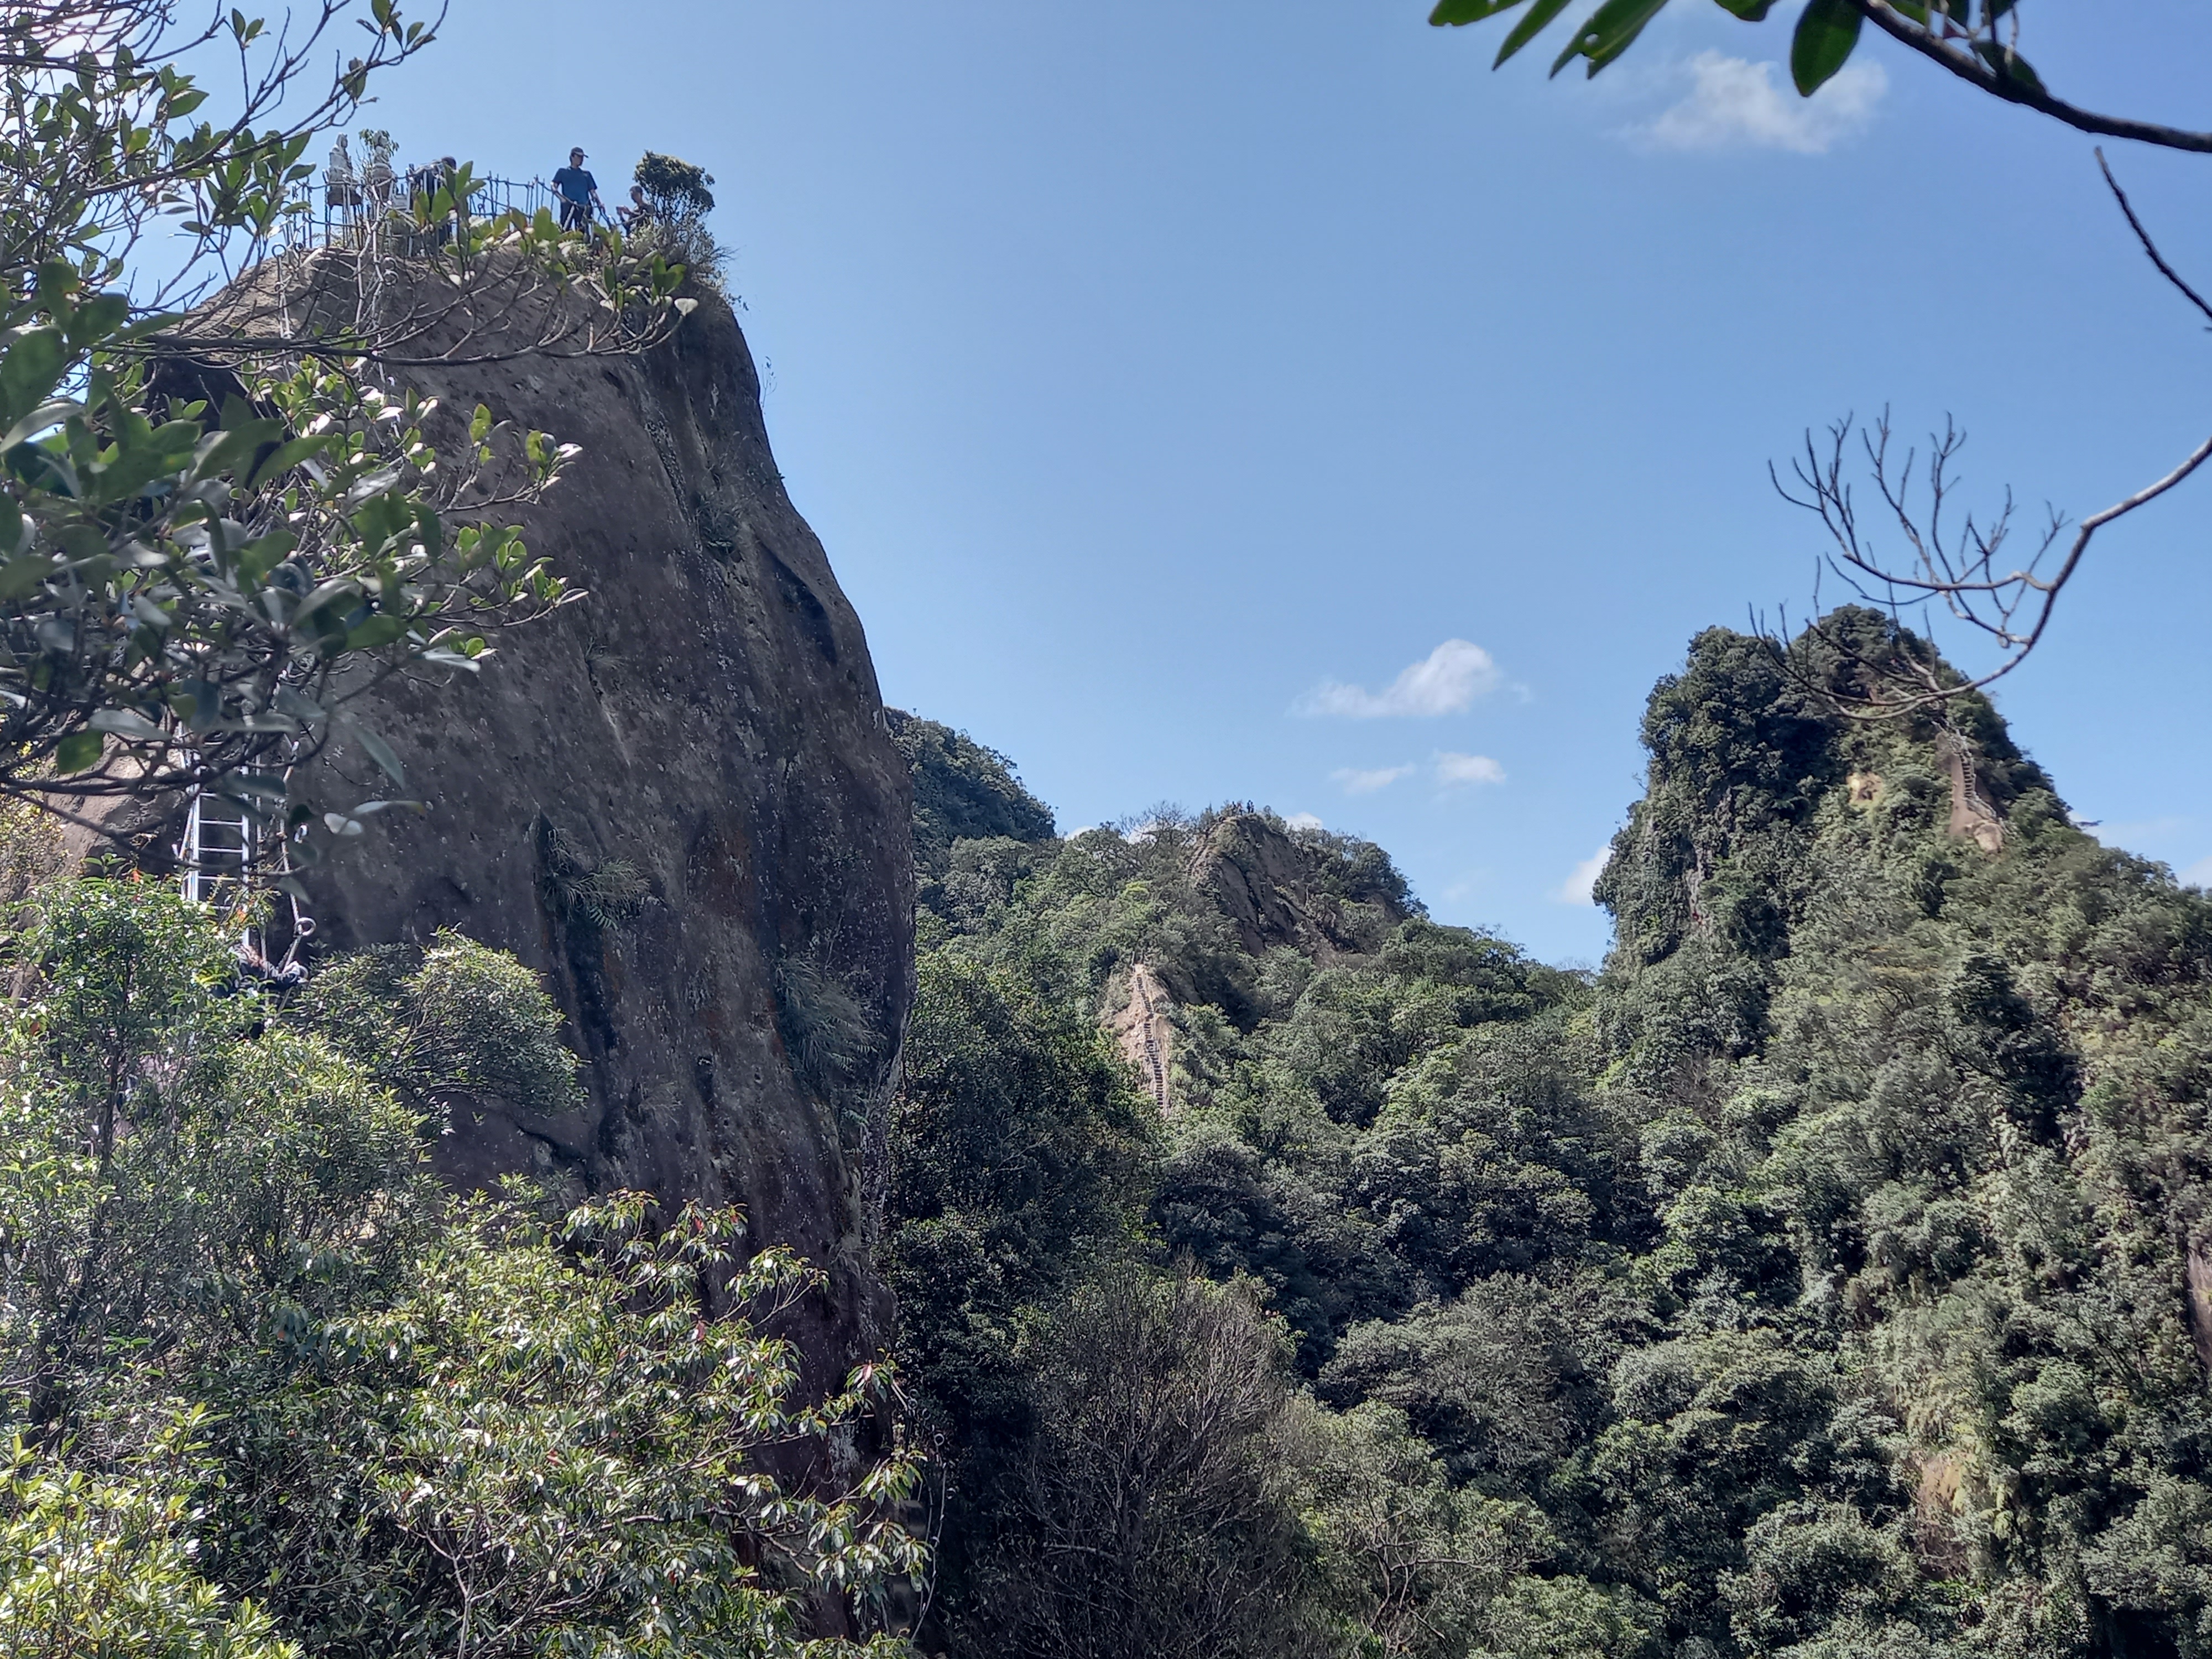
x=1765, y=806
x=681, y=802
x=1279, y=892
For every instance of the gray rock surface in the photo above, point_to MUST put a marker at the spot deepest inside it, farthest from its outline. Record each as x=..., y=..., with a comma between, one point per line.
x=1264, y=883
x=679, y=800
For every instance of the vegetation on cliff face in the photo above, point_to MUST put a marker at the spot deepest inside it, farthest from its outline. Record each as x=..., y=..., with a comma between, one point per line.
x=270, y=1390
x=961, y=792
x=1827, y=1276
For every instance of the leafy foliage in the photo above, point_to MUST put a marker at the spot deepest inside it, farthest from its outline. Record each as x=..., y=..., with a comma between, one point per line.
x=219, y=529
x=673, y=186
x=1831, y=1275
x=1820, y=43
x=678, y=200
x=961, y=792
x=271, y=1392
x=1141, y=1517
x=455, y=1024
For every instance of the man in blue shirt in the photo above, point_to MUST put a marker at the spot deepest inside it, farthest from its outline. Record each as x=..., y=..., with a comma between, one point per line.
x=579, y=193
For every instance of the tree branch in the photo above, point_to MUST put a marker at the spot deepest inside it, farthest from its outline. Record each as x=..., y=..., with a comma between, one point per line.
x=2143, y=236
x=2013, y=89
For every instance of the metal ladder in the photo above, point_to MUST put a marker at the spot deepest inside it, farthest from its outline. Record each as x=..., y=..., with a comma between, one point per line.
x=216, y=854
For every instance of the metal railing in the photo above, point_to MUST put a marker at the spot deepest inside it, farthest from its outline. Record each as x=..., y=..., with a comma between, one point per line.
x=392, y=211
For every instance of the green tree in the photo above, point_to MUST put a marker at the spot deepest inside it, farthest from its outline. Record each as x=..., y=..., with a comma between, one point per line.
x=219, y=529
x=1976, y=41
x=961, y=792
x=582, y=1452
x=272, y=1390
x=1830, y=1278
x=1410, y=1563
x=677, y=199
x=455, y=1025
x=1146, y=1513
x=106, y=1564
x=1018, y=1156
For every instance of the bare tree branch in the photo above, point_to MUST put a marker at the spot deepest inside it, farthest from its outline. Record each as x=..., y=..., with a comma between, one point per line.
x=2009, y=79
x=1962, y=567
x=2143, y=236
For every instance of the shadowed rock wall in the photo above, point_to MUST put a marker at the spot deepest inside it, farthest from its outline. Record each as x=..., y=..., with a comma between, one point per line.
x=680, y=801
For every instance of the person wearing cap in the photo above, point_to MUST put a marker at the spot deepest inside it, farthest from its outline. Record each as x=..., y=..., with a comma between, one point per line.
x=579, y=193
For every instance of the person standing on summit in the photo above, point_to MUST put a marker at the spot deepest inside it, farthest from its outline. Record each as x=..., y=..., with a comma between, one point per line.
x=579, y=193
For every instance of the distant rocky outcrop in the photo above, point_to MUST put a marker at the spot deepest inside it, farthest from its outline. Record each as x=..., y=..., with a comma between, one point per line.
x=1276, y=892
x=1764, y=798
x=1144, y=1032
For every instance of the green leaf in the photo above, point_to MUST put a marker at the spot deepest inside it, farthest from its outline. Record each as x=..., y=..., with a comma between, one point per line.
x=31, y=369
x=236, y=444
x=263, y=554
x=78, y=752
x=1539, y=18
x=48, y=415
x=1826, y=32
x=289, y=701
x=127, y=724
x=338, y=587
x=376, y=631
x=285, y=456
x=380, y=752
x=19, y=576
x=1456, y=12
x=1609, y=31
x=431, y=528
x=2010, y=65
x=1753, y=11
x=98, y=319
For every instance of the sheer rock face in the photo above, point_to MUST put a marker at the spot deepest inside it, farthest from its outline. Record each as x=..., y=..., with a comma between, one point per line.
x=680, y=801
x=1263, y=883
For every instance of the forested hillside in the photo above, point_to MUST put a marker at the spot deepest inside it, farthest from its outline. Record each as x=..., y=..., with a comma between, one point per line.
x=274, y=1390
x=1280, y=1272
x=1828, y=1275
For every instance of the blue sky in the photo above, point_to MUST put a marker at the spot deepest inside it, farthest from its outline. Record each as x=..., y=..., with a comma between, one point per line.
x=1270, y=402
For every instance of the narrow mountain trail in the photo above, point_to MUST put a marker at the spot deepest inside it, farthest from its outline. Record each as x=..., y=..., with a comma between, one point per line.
x=1972, y=818
x=1146, y=1035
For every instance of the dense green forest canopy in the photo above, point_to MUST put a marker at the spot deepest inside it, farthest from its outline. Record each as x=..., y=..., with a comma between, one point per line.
x=1827, y=1276
x=961, y=792
x=270, y=1391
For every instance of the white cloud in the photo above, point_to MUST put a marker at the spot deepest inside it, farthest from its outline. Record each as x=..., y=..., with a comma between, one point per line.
x=1444, y=681
x=1303, y=821
x=2198, y=874
x=1355, y=781
x=1576, y=888
x=1453, y=769
x=1733, y=102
